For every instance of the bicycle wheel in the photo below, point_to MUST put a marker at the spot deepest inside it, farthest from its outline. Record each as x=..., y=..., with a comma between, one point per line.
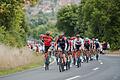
x=78, y=63
x=60, y=68
x=97, y=56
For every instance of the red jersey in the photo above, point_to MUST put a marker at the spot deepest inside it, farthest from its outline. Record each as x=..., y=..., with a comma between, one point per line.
x=47, y=40
x=88, y=41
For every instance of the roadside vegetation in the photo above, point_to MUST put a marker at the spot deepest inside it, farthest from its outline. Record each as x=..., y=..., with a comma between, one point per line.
x=14, y=60
x=14, y=29
x=92, y=18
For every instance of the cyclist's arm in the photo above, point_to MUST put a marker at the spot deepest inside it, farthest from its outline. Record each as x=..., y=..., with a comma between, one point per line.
x=74, y=42
x=67, y=46
x=56, y=43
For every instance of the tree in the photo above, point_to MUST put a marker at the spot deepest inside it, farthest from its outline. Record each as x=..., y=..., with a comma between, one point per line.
x=12, y=22
x=67, y=19
x=102, y=19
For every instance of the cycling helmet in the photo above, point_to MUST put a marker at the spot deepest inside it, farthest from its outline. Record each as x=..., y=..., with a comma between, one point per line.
x=86, y=38
x=47, y=33
x=96, y=39
x=68, y=37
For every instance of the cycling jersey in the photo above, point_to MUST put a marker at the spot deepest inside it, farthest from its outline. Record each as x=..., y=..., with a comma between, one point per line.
x=97, y=45
x=62, y=43
x=47, y=40
x=92, y=44
x=77, y=43
x=70, y=45
x=87, y=44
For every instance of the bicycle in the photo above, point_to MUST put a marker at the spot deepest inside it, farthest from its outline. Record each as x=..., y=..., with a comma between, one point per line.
x=78, y=54
x=87, y=55
x=97, y=54
x=68, y=61
x=74, y=57
x=47, y=62
x=61, y=61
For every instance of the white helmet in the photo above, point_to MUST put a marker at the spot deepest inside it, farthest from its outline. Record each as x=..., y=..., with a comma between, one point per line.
x=96, y=39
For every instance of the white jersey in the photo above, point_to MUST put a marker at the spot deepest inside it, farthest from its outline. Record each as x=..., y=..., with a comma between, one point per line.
x=82, y=41
x=78, y=41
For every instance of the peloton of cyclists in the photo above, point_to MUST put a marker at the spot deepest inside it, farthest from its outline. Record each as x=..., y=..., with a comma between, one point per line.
x=72, y=50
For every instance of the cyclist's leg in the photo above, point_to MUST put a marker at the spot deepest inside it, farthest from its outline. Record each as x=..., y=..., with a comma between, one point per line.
x=97, y=54
x=46, y=57
x=69, y=64
x=87, y=55
x=57, y=56
x=60, y=64
x=84, y=56
x=70, y=59
x=67, y=61
x=64, y=56
x=46, y=61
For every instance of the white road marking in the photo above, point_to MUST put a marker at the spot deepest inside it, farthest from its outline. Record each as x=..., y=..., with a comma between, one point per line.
x=100, y=62
x=72, y=78
x=96, y=68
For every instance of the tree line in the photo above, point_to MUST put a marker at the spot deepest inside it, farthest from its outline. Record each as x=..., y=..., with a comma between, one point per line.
x=92, y=18
x=13, y=25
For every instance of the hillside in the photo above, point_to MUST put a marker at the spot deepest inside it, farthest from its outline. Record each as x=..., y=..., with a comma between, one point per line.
x=47, y=8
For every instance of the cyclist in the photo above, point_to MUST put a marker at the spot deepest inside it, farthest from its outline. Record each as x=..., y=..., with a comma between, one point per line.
x=70, y=50
x=87, y=48
x=77, y=46
x=87, y=43
x=97, y=46
x=60, y=60
x=47, y=39
x=47, y=61
x=77, y=42
x=62, y=43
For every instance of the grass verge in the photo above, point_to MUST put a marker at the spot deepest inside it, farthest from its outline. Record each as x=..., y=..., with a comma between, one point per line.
x=112, y=53
x=38, y=61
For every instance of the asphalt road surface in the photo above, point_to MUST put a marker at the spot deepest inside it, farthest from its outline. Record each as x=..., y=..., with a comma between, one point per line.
x=107, y=68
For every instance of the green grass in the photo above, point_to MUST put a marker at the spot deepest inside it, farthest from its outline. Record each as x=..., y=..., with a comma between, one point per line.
x=18, y=69
x=22, y=68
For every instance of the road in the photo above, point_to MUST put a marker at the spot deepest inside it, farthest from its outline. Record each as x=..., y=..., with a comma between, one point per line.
x=107, y=68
